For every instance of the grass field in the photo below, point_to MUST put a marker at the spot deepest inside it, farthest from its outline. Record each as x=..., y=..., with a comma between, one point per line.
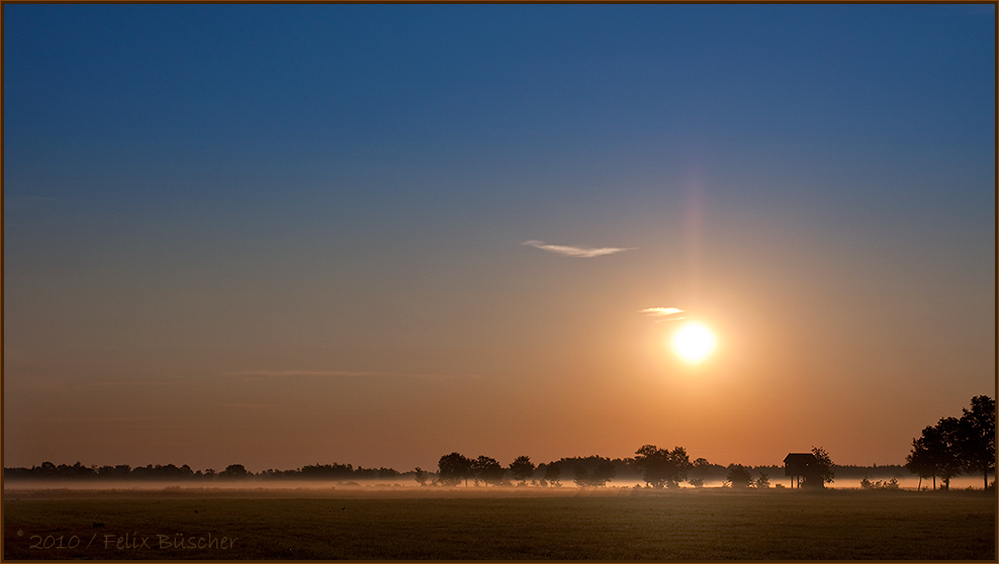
x=617, y=524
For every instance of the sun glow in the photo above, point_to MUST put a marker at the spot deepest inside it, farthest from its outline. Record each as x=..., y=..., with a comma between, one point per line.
x=693, y=342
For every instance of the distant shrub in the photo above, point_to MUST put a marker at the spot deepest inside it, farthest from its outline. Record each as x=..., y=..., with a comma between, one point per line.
x=879, y=485
x=763, y=482
x=779, y=486
x=739, y=476
x=697, y=482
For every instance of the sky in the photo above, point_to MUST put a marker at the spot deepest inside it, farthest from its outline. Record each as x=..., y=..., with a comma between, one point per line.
x=280, y=235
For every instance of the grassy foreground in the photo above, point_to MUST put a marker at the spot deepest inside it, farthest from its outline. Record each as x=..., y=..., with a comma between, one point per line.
x=609, y=525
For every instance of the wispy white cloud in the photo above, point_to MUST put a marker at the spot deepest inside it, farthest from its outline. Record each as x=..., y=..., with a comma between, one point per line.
x=663, y=313
x=577, y=252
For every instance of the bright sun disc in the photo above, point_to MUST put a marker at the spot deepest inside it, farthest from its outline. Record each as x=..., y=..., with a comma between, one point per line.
x=693, y=342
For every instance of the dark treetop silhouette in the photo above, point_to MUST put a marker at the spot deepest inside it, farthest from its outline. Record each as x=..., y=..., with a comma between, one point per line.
x=952, y=445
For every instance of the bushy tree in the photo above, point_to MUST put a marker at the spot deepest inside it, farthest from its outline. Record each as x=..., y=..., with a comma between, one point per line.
x=552, y=473
x=522, y=468
x=936, y=452
x=739, y=476
x=948, y=439
x=920, y=461
x=452, y=469
x=603, y=473
x=661, y=467
x=953, y=445
x=488, y=470
x=235, y=472
x=762, y=482
x=977, y=432
x=823, y=468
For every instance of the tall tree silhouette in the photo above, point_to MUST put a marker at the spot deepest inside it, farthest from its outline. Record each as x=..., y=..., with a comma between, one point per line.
x=488, y=470
x=453, y=468
x=936, y=452
x=953, y=444
x=602, y=474
x=522, y=468
x=920, y=461
x=661, y=467
x=977, y=437
x=553, y=472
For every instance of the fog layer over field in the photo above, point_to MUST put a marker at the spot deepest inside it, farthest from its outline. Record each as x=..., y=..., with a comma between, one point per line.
x=403, y=488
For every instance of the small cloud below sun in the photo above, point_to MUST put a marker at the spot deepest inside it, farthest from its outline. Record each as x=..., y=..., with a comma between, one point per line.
x=663, y=313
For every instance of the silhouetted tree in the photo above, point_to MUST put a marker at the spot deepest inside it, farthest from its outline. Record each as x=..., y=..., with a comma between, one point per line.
x=704, y=470
x=522, y=468
x=953, y=445
x=920, y=460
x=387, y=473
x=948, y=433
x=762, y=482
x=977, y=437
x=488, y=470
x=421, y=476
x=661, y=467
x=552, y=473
x=739, y=476
x=234, y=472
x=603, y=473
x=823, y=469
x=452, y=469
x=327, y=472
x=940, y=446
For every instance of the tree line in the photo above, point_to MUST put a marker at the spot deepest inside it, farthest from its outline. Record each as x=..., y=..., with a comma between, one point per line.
x=657, y=467
x=944, y=450
x=955, y=445
x=171, y=472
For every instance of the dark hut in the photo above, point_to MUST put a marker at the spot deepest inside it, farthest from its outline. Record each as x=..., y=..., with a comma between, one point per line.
x=800, y=465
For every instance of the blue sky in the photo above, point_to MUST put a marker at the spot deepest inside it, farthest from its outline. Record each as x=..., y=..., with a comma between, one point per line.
x=195, y=194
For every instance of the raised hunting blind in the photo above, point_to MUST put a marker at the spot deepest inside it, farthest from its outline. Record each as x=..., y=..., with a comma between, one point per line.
x=800, y=465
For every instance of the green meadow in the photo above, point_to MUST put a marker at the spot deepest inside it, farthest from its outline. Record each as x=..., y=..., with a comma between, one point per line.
x=610, y=524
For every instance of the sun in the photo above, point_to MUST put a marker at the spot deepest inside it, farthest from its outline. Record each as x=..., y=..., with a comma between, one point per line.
x=693, y=342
